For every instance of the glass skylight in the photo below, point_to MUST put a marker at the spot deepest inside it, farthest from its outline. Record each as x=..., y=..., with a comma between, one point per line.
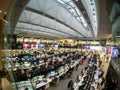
x=61, y=18
x=92, y=7
x=68, y=4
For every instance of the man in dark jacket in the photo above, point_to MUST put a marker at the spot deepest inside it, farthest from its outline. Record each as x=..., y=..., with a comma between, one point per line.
x=70, y=85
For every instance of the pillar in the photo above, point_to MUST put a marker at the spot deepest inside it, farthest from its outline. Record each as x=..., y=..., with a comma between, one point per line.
x=2, y=25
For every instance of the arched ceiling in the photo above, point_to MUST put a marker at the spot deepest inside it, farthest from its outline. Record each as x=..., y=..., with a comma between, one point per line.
x=59, y=19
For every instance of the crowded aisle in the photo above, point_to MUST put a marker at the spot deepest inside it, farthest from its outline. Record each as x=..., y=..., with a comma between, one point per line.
x=63, y=84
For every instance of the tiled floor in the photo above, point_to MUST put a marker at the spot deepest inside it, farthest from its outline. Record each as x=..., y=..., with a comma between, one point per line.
x=62, y=85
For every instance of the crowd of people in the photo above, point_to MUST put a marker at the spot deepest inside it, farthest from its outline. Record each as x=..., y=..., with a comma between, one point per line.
x=51, y=62
x=91, y=75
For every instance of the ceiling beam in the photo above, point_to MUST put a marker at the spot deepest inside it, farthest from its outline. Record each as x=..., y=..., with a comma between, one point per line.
x=37, y=36
x=53, y=18
x=46, y=27
x=40, y=34
x=27, y=29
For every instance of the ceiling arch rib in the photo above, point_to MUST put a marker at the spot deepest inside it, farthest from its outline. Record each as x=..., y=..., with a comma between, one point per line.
x=53, y=18
x=48, y=9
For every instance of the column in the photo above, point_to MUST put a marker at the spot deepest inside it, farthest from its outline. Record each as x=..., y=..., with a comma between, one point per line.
x=2, y=25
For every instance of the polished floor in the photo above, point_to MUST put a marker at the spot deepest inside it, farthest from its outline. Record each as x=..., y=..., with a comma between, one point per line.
x=62, y=85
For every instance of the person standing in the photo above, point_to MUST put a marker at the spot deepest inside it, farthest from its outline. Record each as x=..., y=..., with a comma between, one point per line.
x=70, y=85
